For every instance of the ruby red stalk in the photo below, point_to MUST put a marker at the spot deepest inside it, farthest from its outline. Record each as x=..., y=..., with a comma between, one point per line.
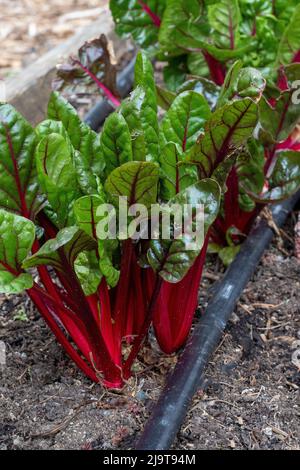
x=175, y=306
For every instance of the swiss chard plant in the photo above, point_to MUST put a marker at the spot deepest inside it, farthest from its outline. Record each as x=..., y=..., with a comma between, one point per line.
x=201, y=37
x=273, y=173
x=100, y=295
x=239, y=48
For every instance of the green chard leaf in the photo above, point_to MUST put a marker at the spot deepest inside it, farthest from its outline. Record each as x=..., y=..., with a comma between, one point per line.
x=227, y=130
x=241, y=83
x=132, y=19
x=208, y=89
x=82, y=137
x=276, y=123
x=283, y=9
x=57, y=176
x=175, y=177
x=85, y=210
x=185, y=120
x=292, y=73
x=183, y=26
x=224, y=18
x=49, y=126
x=172, y=259
x=106, y=249
x=89, y=182
x=17, y=235
x=251, y=174
x=290, y=41
x=65, y=247
x=116, y=142
x=284, y=180
x=164, y=97
x=228, y=254
x=87, y=270
x=144, y=78
x=197, y=64
x=19, y=189
x=131, y=110
x=135, y=180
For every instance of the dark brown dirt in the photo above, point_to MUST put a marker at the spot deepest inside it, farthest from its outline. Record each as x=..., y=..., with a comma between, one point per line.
x=251, y=399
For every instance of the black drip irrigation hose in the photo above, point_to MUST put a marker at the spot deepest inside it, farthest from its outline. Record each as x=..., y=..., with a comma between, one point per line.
x=188, y=375
x=96, y=116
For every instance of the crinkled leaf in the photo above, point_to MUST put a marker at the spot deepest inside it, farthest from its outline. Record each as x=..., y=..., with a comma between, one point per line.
x=65, y=247
x=87, y=269
x=224, y=18
x=251, y=174
x=89, y=182
x=208, y=89
x=131, y=109
x=97, y=57
x=184, y=26
x=82, y=137
x=135, y=180
x=85, y=210
x=224, y=55
x=197, y=64
x=185, y=120
x=164, y=97
x=220, y=174
x=50, y=126
x=251, y=10
x=19, y=189
x=278, y=122
x=17, y=235
x=57, y=176
x=144, y=78
x=241, y=83
x=285, y=178
x=172, y=259
x=267, y=36
x=106, y=249
x=115, y=142
x=131, y=19
x=284, y=9
x=175, y=177
x=228, y=129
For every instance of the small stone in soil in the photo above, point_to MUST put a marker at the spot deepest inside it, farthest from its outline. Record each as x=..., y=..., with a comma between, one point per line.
x=2, y=355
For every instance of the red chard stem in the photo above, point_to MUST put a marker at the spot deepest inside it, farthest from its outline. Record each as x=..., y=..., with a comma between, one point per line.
x=155, y=19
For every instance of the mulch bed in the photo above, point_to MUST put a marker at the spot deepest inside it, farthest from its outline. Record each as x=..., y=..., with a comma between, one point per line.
x=30, y=28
